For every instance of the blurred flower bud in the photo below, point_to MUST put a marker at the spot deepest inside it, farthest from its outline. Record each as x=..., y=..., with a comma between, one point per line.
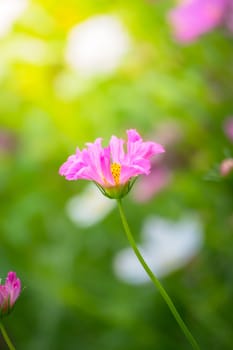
x=8, y=142
x=226, y=166
x=147, y=187
x=228, y=128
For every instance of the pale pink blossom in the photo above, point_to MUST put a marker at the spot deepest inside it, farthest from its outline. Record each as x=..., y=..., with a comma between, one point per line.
x=226, y=167
x=193, y=18
x=228, y=18
x=228, y=128
x=9, y=293
x=148, y=187
x=169, y=134
x=8, y=142
x=114, y=167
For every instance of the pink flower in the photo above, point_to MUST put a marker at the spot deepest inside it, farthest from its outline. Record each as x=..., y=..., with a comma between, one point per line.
x=229, y=16
x=9, y=293
x=112, y=168
x=228, y=128
x=196, y=17
x=226, y=167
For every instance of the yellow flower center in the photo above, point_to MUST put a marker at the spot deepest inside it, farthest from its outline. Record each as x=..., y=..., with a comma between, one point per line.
x=116, y=172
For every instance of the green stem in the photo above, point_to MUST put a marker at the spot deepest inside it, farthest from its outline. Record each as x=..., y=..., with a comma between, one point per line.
x=6, y=338
x=155, y=280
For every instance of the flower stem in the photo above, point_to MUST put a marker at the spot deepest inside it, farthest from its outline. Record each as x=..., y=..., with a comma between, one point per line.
x=6, y=338
x=156, y=282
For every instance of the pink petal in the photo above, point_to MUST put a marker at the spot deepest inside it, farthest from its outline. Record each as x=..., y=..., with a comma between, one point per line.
x=93, y=159
x=149, y=149
x=64, y=168
x=3, y=294
x=13, y=287
x=142, y=166
x=138, y=149
x=133, y=135
x=117, y=150
x=11, y=277
x=106, y=166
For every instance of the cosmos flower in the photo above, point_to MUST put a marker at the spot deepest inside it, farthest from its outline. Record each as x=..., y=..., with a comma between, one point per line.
x=9, y=293
x=113, y=169
x=193, y=18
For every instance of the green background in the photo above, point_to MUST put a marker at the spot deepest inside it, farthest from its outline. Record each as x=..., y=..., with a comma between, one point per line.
x=71, y=298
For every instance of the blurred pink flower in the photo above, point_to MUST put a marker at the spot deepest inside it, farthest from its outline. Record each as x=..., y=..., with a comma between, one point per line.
x=9, y=293
x=228, y=128
x=229, y=16
x=195, y=17
x=146, y=188
x=169, y=134
x=111, y=168
x=226, y=167
x=8, y=141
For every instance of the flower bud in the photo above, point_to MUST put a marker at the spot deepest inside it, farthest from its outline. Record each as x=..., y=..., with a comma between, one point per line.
x=9, y=293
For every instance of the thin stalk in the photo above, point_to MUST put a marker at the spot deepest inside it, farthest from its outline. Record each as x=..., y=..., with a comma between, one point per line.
x=6, y=337
x=155, y=280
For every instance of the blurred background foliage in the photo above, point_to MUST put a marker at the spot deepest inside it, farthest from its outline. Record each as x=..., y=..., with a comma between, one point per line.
x=179, y=95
